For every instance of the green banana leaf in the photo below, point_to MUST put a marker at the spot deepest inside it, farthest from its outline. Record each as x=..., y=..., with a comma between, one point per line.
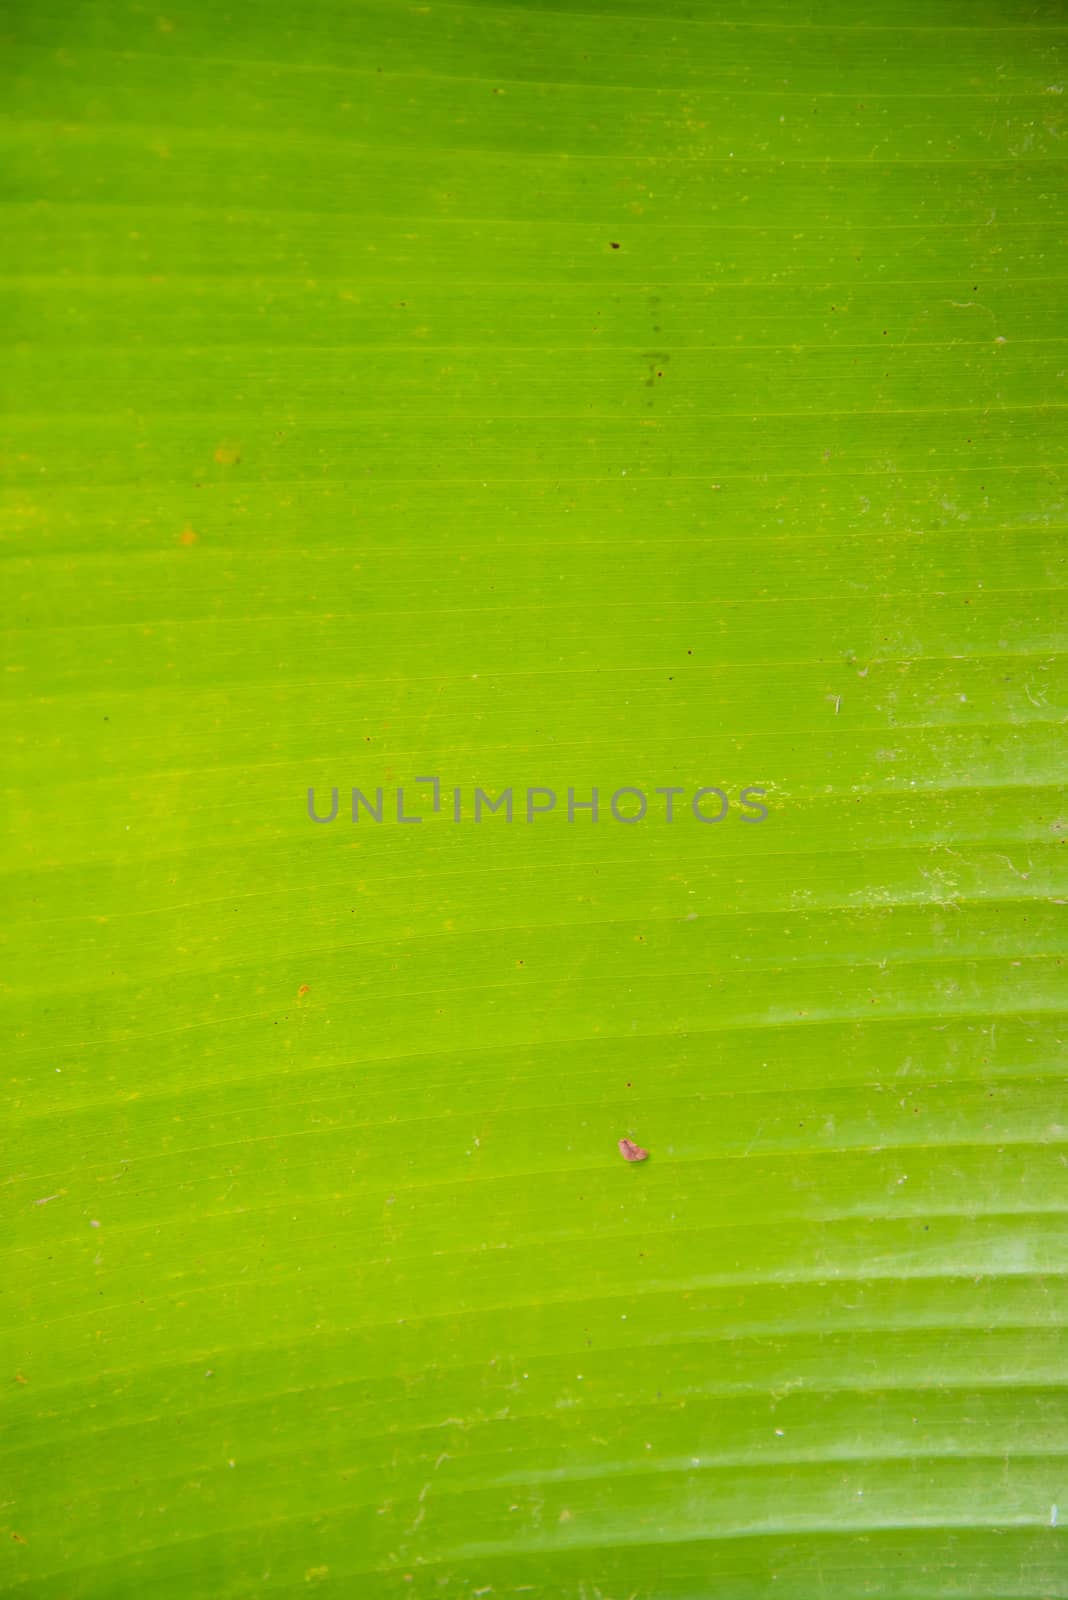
x=661, y=400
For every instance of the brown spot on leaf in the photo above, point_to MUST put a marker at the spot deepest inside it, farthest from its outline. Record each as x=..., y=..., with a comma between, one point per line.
x=188, y=536
x=631, y=1151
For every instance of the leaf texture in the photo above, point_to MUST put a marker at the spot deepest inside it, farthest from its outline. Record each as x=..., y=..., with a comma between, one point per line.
x=635, y=397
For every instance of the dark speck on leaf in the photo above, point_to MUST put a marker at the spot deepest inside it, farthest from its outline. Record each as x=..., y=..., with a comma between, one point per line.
x=614, y=244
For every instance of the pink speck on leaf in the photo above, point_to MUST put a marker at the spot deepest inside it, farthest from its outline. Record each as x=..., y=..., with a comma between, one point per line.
x=631, y=1151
